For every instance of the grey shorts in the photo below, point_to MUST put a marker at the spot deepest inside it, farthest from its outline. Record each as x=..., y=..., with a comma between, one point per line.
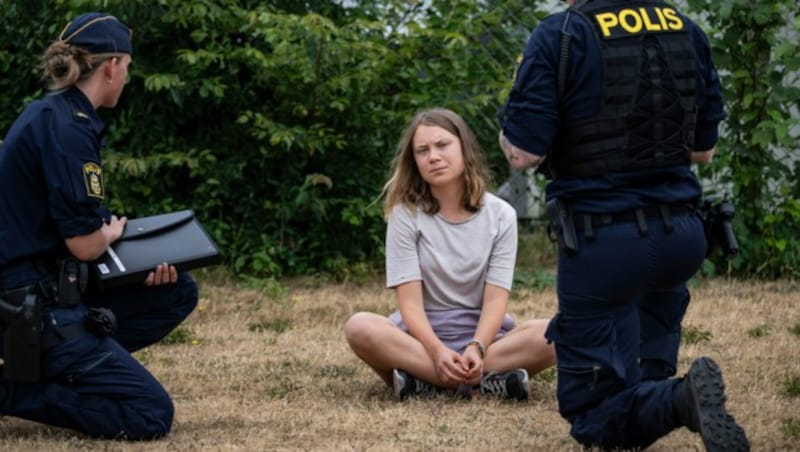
x=455, y=327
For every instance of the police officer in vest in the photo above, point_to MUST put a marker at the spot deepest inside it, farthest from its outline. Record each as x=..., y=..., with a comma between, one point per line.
x=613, y=101
x=66, y=346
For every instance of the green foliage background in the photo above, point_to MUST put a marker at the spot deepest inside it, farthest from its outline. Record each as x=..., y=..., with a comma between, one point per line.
x=755, y=46
x=276, y=120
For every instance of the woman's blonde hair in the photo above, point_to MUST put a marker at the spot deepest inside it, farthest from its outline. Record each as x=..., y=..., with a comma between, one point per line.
x=406, y=185
x=63, y=64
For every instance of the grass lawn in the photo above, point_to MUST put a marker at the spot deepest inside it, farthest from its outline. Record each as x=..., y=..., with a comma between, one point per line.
x=264, y=366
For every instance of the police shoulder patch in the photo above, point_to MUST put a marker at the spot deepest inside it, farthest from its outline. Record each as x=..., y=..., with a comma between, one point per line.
x=93, y=179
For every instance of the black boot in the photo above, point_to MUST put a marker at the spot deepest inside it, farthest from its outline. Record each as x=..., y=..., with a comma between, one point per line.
x=700, y=406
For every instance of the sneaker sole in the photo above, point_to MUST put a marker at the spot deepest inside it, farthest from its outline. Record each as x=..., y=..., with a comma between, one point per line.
x=719, y=430
x=398, y=382
x=526, y=389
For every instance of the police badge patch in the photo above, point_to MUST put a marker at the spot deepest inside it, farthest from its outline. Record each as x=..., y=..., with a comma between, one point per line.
x=93, y=179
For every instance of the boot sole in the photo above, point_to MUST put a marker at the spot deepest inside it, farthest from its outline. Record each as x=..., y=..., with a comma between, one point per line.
x=719, y=430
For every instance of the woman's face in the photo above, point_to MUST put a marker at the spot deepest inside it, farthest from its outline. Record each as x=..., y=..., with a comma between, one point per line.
x=438, y=155
x=117, y=78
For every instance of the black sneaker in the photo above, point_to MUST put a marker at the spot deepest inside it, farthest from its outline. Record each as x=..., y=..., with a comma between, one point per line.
x=700, y=406
x=405, y=384
x=507, y=385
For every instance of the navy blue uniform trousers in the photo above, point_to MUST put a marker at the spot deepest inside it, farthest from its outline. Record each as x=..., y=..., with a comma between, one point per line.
x=621, y=299
x=92, y=384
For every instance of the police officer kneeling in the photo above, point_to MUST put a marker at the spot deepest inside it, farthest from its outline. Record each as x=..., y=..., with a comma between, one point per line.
x=615, y=100
x=67, y=346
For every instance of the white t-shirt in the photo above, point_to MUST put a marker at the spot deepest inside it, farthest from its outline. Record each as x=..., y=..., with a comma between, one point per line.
x=453, y=260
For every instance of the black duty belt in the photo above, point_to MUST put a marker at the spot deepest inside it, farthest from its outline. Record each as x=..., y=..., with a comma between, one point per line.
x=587, y=222
x=15, y=296
x=43, y=289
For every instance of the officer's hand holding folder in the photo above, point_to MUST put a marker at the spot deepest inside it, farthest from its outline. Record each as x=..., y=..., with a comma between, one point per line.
x=176, y=238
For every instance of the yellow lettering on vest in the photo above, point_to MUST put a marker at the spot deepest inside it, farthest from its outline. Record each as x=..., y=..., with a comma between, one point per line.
x=673, y=20
x=646, y=18
x=606, y=22
x=634, y=27
x=661, y=18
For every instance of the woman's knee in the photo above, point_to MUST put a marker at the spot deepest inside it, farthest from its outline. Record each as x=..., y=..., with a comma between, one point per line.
x=545, y=352
x=357, y=329
x=363, y=330
x=535, y=329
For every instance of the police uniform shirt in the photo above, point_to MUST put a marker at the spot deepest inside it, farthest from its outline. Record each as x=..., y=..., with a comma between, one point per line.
x=51, y=177
x=531, y=116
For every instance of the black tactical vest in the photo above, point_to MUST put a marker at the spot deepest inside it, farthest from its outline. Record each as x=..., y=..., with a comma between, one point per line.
x=648, y=114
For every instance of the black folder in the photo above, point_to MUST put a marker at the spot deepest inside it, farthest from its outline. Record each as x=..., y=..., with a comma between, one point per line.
x=176, y=238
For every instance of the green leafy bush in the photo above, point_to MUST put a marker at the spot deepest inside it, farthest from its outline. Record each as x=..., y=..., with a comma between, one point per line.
x=755, y=48
x=276, y=120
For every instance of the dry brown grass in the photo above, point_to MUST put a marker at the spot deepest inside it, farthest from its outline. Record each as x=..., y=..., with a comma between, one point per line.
x=266, y=369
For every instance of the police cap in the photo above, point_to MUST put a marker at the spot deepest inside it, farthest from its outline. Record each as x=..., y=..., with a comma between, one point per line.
x=98, y=33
